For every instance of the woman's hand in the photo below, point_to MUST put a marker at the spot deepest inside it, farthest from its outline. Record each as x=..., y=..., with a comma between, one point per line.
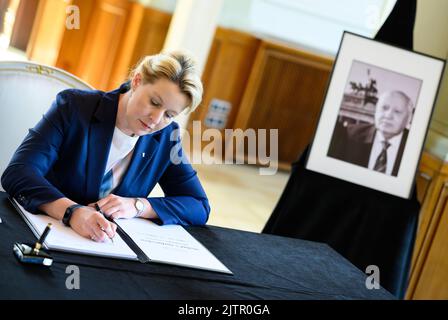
x=91, y=224
x=117, y=207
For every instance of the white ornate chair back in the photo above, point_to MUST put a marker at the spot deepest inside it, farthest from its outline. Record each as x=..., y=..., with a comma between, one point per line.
x=27, y=90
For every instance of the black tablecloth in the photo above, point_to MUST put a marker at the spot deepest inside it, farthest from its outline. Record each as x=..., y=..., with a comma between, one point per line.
x=366, y=226
x=264, y=267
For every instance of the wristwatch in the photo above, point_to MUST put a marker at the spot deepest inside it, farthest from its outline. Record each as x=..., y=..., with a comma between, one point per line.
x=140, y=206
x=68, y=214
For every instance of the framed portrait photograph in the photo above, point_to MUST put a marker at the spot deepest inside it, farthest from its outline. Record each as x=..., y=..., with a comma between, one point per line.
x=375, y=115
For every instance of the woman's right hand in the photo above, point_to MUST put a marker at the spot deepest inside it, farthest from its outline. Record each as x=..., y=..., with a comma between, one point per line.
x=91, y=224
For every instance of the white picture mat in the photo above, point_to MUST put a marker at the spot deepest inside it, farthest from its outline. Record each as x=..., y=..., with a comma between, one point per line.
x=427, y=69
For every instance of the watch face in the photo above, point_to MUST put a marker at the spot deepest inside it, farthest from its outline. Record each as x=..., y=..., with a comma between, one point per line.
x=139, y=205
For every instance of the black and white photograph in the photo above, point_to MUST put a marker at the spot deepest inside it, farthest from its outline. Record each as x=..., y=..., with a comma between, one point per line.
x=375, y=115
x=374, y=118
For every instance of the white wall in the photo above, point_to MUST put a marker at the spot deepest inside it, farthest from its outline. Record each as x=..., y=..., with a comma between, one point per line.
x=163, y=5
x=235, y=15
x=431, y=37
x=431, y=27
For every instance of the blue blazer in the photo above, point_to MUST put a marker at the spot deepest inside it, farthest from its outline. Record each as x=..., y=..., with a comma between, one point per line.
x=65, y=155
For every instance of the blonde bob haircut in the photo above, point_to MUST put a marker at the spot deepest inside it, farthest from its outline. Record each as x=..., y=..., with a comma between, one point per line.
x=176, y=66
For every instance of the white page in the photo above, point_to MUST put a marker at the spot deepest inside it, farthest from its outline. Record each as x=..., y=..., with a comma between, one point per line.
x=63, y=238
x=170, y=244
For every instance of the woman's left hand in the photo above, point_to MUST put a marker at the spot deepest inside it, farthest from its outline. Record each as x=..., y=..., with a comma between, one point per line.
x=117, y=207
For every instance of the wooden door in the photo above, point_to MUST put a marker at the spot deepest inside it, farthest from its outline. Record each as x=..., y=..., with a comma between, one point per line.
x=285, y=92
x=106, y=34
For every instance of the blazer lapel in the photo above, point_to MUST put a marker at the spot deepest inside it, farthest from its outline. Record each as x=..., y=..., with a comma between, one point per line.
x=144, y=151
x=100, y=139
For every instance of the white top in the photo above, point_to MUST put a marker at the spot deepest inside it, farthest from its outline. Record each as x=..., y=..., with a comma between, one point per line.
x=120, y=154
x=392, y=151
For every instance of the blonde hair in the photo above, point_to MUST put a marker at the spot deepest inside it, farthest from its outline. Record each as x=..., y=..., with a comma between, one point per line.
x=176, y=66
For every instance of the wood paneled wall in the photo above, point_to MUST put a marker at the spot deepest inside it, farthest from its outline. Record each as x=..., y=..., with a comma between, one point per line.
x=73, y=41
x=23, y=23
x=146, y=32
x=106, y=32
x=227, y=70
x=152, y=33
x=285, y=92
x=3, y=8
x=113, y=36
x=431, y=280
x=427, y=185
x=47, y=33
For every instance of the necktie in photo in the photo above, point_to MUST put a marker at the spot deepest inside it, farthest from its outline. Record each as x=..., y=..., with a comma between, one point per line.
x=381, y=161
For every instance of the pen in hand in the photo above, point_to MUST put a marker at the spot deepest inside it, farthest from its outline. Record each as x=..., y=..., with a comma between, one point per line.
x=97, y=207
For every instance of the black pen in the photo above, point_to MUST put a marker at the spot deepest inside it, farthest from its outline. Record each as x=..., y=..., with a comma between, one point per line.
x=97, y=207
x=41, y=240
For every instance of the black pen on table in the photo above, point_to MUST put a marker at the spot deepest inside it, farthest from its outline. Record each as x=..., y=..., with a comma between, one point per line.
x=41, y=240
x=97, y=207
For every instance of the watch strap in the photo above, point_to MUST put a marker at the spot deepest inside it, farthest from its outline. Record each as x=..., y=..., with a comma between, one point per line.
x=69, y=212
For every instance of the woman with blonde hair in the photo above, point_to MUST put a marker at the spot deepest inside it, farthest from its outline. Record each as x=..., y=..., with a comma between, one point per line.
x=109, y=149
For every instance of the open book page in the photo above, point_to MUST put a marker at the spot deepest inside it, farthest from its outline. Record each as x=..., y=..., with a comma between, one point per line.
x=63, y=238
x=170, y=244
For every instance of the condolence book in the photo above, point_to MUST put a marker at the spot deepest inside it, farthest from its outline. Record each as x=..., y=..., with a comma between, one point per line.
x=136, y=239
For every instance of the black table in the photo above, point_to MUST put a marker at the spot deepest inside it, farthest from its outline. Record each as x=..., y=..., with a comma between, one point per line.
x=264, y=267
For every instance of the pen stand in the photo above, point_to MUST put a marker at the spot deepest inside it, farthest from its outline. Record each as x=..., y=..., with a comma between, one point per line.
x=26, y=253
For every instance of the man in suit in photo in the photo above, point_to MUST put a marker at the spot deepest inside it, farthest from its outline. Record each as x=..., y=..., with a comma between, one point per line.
x=377, y=146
